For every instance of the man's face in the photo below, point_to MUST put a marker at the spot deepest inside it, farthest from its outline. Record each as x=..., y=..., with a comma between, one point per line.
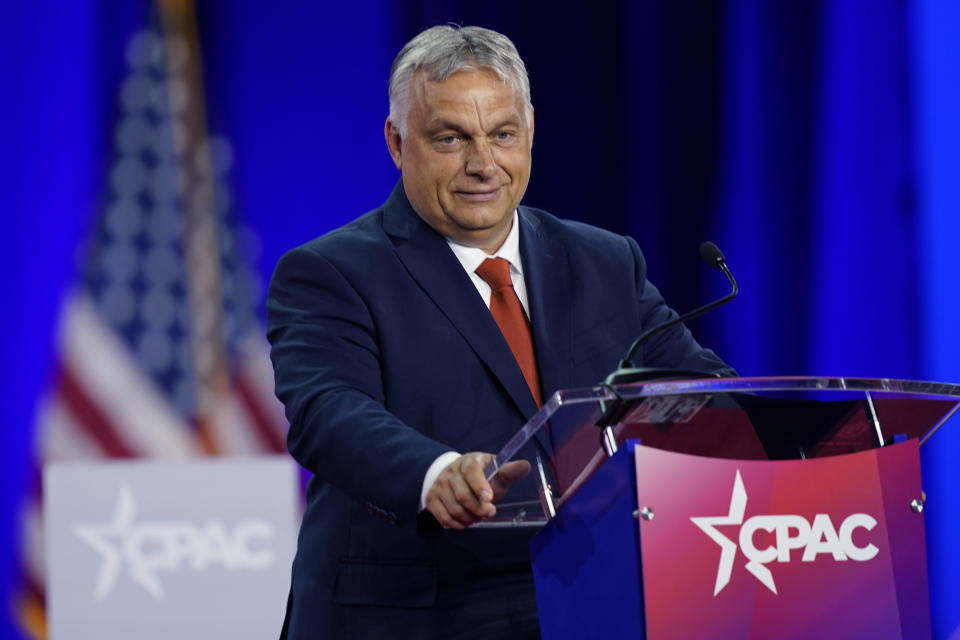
x=465, y=158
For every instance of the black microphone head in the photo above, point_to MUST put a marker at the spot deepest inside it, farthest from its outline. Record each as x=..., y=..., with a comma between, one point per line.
x=711, y=254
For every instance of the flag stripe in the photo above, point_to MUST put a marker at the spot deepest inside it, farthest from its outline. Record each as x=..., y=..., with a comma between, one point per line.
x=91, y=417
x=32, y=546
x=61, y=438
x=261, y=420
x=256, y=370
x=113, y=380
x=231, y=426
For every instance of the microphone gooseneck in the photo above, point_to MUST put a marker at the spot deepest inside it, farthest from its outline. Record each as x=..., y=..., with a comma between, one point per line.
x=712, y=255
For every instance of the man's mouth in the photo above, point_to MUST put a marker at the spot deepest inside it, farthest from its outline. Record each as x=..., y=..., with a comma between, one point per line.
x=477, y=195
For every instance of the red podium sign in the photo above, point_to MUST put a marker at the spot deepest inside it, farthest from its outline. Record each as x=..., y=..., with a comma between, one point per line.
x=821, y=548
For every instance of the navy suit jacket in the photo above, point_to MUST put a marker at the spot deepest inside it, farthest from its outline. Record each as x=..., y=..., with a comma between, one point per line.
x=386, y=357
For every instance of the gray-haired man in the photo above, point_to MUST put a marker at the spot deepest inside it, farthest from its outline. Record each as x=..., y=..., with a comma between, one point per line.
x=402, y=362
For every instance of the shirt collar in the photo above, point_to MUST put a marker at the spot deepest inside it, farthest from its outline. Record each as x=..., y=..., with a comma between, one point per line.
x=472, y=257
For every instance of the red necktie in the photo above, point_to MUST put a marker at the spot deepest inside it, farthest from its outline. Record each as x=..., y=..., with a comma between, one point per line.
x=508, y=313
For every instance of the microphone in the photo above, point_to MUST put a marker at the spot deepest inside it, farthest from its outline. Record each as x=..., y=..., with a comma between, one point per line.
x=626, y=372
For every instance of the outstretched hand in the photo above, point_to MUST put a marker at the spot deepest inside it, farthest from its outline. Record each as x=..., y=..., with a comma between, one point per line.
x=461, y=495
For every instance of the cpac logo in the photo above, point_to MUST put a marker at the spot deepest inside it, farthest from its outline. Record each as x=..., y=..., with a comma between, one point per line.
x=790, y=532
x=148, y=548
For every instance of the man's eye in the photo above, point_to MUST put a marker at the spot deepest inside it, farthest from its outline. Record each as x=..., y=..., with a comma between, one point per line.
x=448, y=139
x=505, y=136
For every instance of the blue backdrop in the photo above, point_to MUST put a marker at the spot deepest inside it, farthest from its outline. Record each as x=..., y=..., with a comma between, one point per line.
x=816, y=143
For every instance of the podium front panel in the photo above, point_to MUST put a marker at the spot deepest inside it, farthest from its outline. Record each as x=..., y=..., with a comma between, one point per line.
x=827, y=548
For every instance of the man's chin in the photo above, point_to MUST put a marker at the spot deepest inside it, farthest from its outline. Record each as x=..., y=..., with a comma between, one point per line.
x=489, y=222
x=472, y=232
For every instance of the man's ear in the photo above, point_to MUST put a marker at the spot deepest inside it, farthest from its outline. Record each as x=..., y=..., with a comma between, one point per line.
x=530, y=128
x=394, y=141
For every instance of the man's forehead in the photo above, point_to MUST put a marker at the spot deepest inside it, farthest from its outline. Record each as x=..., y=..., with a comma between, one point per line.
x=465, y=90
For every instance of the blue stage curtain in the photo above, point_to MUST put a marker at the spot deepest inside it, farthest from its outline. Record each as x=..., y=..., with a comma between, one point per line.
x=816, y=143
x=935, y=100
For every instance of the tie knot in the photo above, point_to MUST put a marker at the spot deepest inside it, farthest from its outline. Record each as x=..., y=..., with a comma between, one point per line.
x=496, y=273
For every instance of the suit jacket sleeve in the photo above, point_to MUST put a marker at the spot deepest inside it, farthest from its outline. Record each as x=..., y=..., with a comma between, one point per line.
x=328, y=376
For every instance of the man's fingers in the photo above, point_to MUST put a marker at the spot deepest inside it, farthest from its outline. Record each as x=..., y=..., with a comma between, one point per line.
x=515, y=470
x=456, y=510
x=472, y=470
x=467, y=499
x=461, y=495
x=448, y=511
x=508, y=474
x=436, y=507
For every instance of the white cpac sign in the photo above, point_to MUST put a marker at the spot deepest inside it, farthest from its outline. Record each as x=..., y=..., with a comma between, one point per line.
x=148, y=548
x=790, y=532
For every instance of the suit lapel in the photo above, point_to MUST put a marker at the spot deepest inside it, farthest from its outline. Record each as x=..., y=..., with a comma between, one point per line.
x=430, y=262
x=546, y=273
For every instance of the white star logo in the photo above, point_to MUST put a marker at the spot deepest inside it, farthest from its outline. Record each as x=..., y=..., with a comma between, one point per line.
x=728, y=548
x=108, y=540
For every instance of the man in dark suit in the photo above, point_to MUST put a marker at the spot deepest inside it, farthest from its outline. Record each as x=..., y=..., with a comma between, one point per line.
x=403, y=362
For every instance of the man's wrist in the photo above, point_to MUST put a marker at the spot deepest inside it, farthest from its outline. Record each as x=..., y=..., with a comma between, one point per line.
x=433, y=472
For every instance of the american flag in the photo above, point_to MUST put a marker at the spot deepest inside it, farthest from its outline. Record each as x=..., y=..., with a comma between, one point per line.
x=161, y=348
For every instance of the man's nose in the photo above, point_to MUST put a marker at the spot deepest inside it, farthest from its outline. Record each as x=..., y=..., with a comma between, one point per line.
x=480, y=160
